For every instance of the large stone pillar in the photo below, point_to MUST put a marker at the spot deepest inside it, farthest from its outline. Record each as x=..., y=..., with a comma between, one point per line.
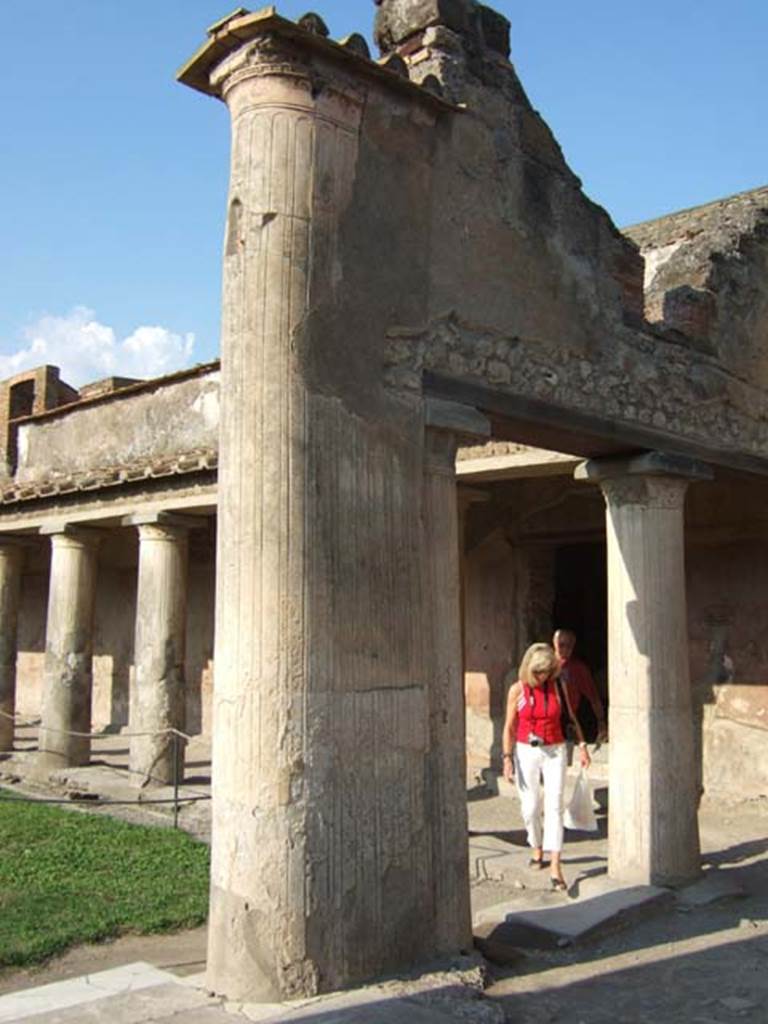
x=67, y=680
x=11, y=557
x=653, y=818
x=158, y=698
x=330, y=696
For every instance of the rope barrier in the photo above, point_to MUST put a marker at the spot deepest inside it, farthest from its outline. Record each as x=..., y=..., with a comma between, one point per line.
x=99, y=802
x=170, y=731
x=177, y=737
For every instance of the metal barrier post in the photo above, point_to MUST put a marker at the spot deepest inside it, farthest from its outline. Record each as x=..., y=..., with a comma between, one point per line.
x=175, y=780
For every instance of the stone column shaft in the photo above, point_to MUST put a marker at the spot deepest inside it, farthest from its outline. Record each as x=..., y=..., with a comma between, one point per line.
x=157, y=703
x=11, y=557
x=68, y=651
x=275, y=930
x=333, y=691
x=653, y=816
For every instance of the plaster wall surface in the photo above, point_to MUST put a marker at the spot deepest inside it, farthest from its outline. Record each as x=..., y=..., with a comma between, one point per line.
x=145, y=424
x=31, y=645
x=115, y=608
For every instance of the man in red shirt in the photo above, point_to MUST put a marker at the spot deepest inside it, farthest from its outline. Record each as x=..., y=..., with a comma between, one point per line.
x=577, y=679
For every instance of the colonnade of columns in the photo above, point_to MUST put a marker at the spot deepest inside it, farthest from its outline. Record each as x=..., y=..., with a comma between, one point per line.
x=157, y=705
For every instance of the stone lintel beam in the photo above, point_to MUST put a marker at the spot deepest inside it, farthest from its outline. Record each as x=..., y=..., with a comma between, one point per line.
x=648, y=464
x=231, y=34
x=466, y=423
x=164, y=519
x=84, y=532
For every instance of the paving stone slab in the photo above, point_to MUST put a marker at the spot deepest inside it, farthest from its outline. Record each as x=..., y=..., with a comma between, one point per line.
x=159, y=1003
x=357, y=1007
x=70, y=1000
x=491, y=858
x=556, y=920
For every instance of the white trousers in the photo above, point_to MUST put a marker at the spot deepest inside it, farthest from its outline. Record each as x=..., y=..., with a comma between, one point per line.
x=534, y=765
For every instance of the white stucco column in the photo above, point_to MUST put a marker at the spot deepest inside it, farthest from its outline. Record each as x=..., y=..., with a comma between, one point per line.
x=158, y=698
x=653, y=791
x=11, y=557
x=67, y=678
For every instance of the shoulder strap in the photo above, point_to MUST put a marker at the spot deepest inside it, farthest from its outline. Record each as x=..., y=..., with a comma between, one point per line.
x=563, y=694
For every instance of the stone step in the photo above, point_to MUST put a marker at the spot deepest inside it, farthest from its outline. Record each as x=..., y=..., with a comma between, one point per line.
x=550, y=920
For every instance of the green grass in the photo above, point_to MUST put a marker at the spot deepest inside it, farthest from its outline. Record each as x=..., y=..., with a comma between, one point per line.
x=67, y=878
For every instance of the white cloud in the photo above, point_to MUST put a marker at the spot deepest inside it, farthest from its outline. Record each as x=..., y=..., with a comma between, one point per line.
x=86, y=350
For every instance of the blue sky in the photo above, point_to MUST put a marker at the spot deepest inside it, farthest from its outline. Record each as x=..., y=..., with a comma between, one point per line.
x=113, y=177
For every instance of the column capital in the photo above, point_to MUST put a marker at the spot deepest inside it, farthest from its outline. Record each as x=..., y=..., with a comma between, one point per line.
x=651, y=480
x=647, y=464
x=61, y=532
x=164, y=519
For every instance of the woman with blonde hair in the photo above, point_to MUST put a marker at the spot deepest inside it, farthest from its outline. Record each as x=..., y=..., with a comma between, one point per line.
x=535, y=750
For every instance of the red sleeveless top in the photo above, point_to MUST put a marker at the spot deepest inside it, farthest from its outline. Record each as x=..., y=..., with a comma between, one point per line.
x=539, y=712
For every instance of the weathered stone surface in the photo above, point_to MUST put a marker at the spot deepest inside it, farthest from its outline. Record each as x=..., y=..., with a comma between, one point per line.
x=653, y=826
x=397, y=20
x=66, y=710
x=602, y=906
x=157, y=703
x=705, y=278
x=149, y=424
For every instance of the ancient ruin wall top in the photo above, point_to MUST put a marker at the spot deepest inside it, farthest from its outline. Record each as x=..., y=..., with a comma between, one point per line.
x=480, y=27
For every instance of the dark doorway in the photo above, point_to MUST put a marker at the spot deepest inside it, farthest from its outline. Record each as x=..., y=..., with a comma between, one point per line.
x=581, y=604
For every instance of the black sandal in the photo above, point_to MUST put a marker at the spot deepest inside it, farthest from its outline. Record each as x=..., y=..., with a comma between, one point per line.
x=558, y=885
x=536, y=862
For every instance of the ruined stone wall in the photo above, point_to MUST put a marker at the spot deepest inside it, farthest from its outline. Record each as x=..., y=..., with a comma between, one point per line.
x=551, y=303
x=143, y=424
x=706, y=280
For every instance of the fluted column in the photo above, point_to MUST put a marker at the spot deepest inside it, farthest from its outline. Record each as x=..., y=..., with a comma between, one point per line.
x=11, y=557
x=274, y=932
x=653, y=819
x=157, y=701
x=330, y=694
x=67, y=680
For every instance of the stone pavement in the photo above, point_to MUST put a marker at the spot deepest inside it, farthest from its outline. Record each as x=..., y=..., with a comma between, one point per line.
x=139, y=993
x=698, y=955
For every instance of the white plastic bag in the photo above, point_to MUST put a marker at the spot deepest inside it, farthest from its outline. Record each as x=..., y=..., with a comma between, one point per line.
x=579, y=814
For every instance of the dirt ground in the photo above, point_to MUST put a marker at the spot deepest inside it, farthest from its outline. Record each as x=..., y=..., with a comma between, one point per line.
x=181, y=953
